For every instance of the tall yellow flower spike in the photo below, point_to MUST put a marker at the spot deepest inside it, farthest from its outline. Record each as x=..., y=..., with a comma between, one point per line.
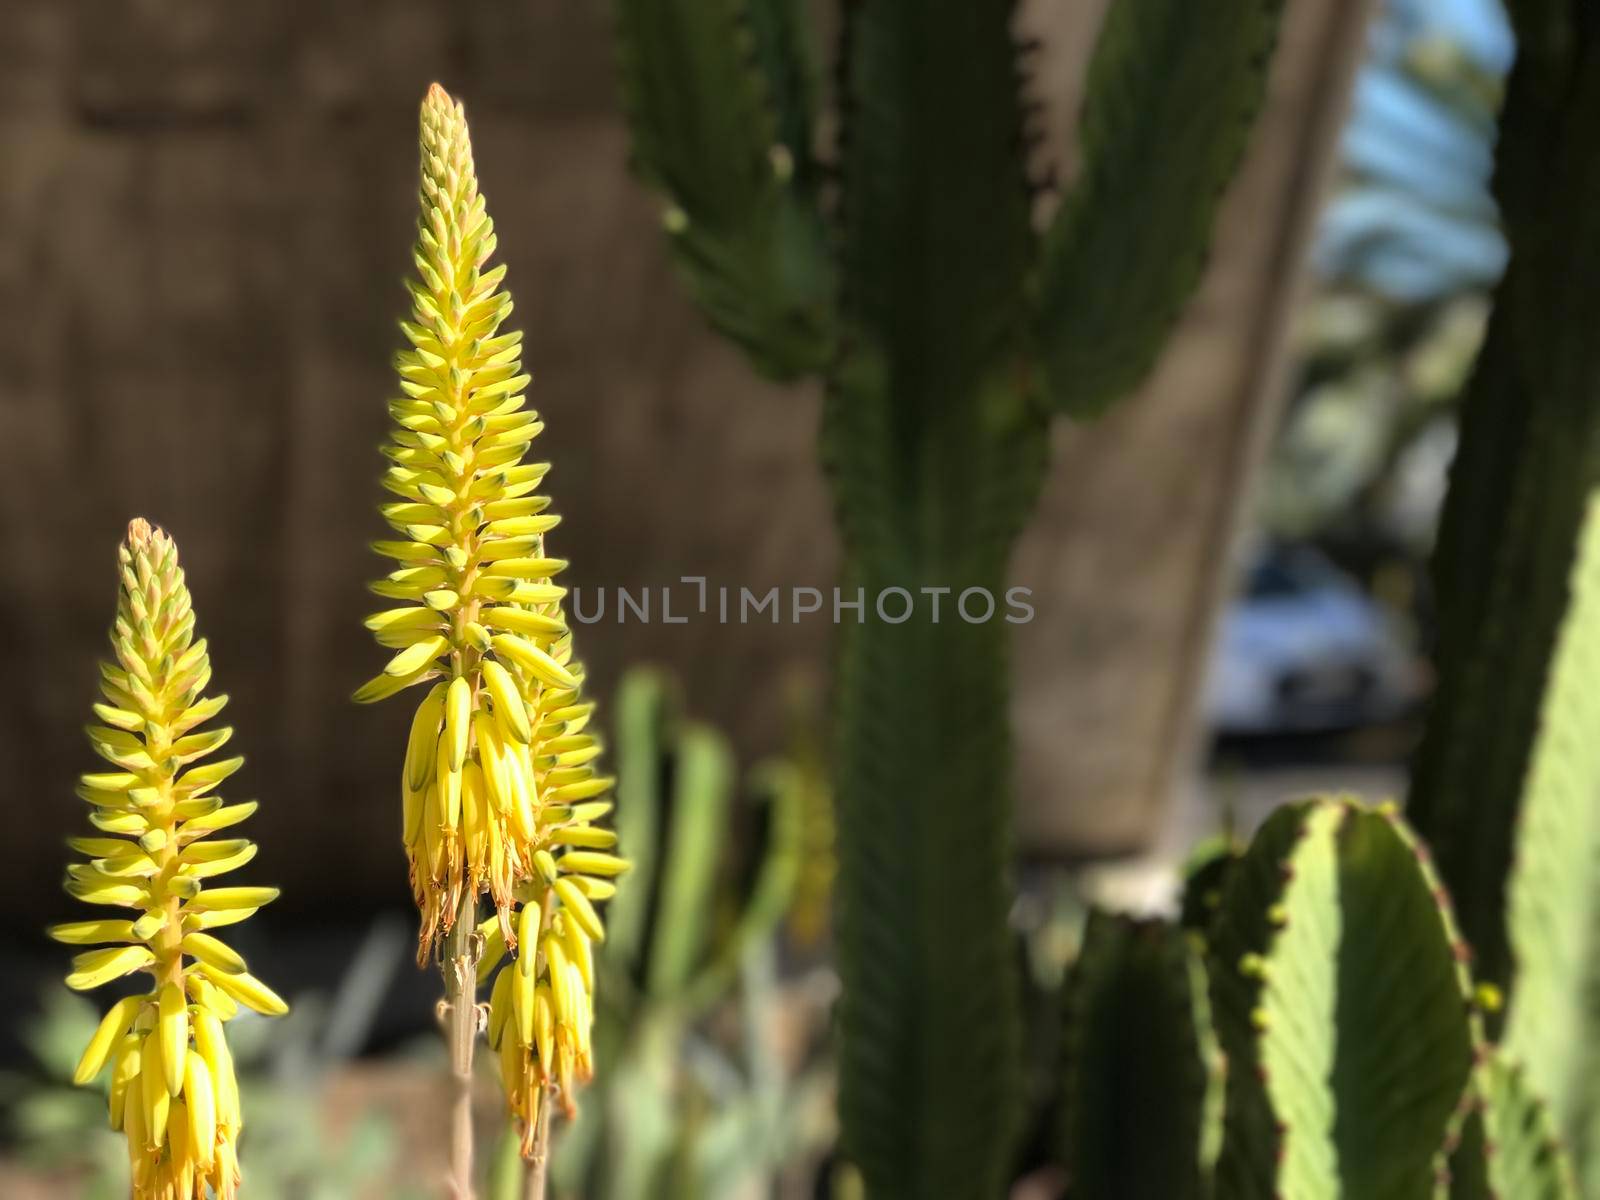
x=172, y=1083
x=499, y=789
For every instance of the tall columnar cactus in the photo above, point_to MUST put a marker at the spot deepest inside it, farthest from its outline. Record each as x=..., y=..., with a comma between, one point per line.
x=499, y=788
x=948, y=330
x=1528, y=462
x=173, y=1089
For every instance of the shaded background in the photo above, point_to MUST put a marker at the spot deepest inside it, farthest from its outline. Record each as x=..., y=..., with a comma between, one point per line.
x=205, y=213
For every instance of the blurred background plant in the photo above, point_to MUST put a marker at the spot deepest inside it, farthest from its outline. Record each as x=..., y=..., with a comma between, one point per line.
x=718, y=1082
x=1405, y=253
x=1334, y=611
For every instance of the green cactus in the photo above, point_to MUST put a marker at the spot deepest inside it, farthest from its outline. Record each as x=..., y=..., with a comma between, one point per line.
x=720, y=100
x=948, y=330
x=1129, y=245
x=1528, y=462
x=1239, y=935
x=1358, y=1064
x=1553, y=895
x=1142, y=1109
x=1508, y=1149
x=1356, y=1060
x=1205, y=875
x=1508, y=772
x=686, y=935
x=1344, y=1007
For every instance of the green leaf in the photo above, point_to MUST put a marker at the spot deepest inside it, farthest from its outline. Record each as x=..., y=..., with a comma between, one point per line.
x=697, y=825
x=763, y=899
x=507, y=1172
x=718, y=103
x=1143, y=1096
x=1361, y=1039
x=1172, y=91
x=1508, y=1148
x=643, y=713
x=1552, y=1027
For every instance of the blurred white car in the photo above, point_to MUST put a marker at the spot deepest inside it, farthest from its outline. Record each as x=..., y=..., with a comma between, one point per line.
x=1303, y=649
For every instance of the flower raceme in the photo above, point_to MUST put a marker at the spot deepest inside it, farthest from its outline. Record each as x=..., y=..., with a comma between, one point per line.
x=172, y=1082
x=541, y=1008
x=499, y=788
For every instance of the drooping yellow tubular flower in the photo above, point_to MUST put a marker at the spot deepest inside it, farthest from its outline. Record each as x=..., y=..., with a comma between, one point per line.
x=499, y=774
x=172, y=1082
x=541, y=1009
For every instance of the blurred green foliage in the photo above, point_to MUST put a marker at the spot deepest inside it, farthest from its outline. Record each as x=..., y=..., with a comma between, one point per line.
x=711, y=1081
x=1406, y=251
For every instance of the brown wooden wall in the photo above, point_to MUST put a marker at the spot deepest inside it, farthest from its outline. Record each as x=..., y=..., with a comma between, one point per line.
x=205, y=209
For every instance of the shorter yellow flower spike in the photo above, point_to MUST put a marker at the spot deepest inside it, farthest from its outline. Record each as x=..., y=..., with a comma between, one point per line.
x=541, y=1007
x=173, y=1090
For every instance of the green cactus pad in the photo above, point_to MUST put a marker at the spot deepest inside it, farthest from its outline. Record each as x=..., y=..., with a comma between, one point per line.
x=1508, y=1148
x=1351, y=1031
x=1553, y=914
x=1238, y=941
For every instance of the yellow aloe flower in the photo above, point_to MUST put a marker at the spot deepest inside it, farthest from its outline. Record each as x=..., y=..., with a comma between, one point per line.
x=499, y=788
x=541, y=1008
x=172, y=1083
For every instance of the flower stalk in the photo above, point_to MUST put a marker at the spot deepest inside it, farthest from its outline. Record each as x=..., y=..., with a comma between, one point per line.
x=461, y=1018
x=539, y=1159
